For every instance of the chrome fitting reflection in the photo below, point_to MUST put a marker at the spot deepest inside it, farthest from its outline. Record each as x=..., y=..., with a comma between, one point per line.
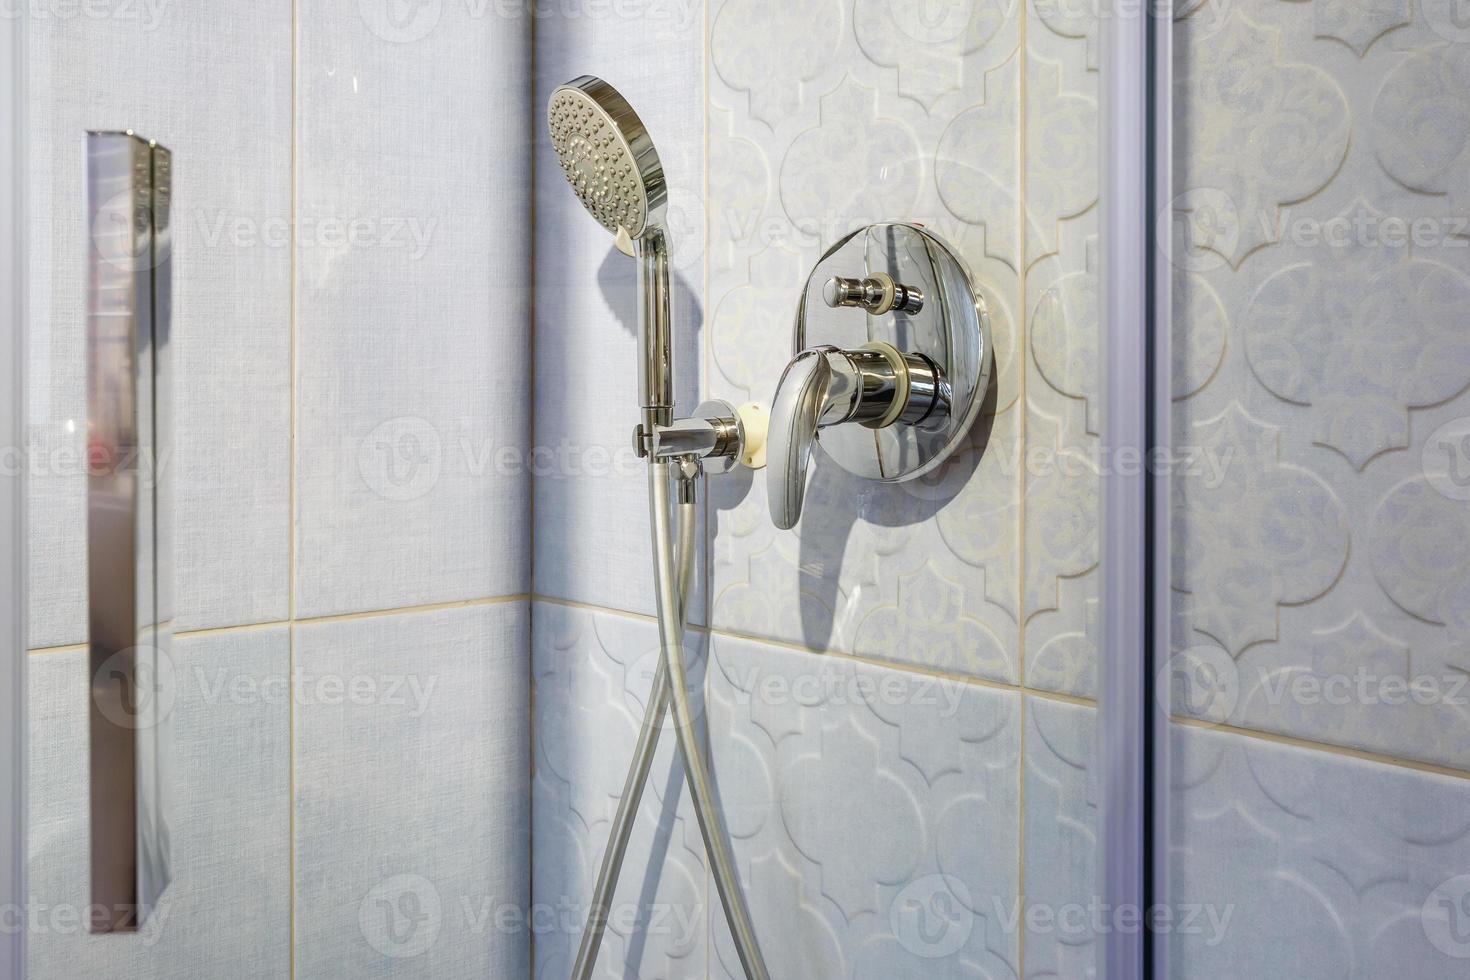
x=715, y=435
x=875, y=386
x=878, y=294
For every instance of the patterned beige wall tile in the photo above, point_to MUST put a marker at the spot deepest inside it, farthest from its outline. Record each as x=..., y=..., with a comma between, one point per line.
x=1308, y=865
x=873, y=816
x=1322, y=238
x=593, y=671
x=803, y=150
x=1061, y=477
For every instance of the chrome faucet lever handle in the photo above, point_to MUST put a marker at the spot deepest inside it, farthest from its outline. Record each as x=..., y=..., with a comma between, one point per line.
x=874, y=385
x=801, y=399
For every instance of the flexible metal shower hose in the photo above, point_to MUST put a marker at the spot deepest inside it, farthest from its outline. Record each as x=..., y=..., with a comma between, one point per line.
x=673, y=571
x=648, y=734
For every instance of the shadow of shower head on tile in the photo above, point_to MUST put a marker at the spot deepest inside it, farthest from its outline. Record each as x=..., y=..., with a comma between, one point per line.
x=617, y=278
x=594, y=673
x=878, y=518
x=675, y=837
x=844, y=513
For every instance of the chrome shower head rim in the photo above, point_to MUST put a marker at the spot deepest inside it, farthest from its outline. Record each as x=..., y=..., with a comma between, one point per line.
x=607, y=156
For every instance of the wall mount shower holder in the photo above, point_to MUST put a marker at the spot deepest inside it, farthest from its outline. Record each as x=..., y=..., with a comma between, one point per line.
x=892, y=363
x=718, y=434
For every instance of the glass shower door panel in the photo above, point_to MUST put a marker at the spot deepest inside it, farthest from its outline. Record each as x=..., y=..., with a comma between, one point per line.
x=1321, y=728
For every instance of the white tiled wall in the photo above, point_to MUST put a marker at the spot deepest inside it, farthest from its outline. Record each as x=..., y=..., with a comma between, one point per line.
x=231, y=304
x=1320, y=533
x=227, y=912
x=1061, y=855
x=412, y=343
x=351, y=265
x=874, y=815
x=591, y=539
x=1307, y=864
x=815, y=130
x=927, y=119
x=593, y=672
x=411, y=808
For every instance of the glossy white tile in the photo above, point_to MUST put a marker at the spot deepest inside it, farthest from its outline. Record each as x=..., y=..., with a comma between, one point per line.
x=1062, y=477
x=1307, y=864
x=1061, y=817
x=412, y=323
x=925, y=572
x=1322, y=376
x=231, y=142
x=227, y=911
x=412, y=816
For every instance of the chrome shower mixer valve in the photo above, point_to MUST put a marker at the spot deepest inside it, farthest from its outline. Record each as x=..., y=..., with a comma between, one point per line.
x=888, y=396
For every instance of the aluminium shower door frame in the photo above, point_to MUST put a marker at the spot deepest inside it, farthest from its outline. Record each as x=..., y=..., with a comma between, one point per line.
x=12, y=502
x=1133, y=764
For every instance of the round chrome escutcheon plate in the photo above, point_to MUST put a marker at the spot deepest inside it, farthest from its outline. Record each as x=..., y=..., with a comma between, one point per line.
x=952, y=329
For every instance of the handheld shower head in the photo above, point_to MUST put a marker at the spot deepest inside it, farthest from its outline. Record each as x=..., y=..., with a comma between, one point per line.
x=607, y=156
x=609, y=159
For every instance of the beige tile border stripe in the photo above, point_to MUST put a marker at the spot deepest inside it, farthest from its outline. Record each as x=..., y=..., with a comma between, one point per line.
x=1363, y=755
x=1020, y=689
x=313, y=620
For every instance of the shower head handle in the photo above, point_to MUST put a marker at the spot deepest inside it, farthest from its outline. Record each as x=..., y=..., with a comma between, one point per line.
x=610, y=162
x=655, y=326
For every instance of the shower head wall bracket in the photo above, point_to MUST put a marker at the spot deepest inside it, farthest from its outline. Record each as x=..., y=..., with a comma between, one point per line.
x=891, y=334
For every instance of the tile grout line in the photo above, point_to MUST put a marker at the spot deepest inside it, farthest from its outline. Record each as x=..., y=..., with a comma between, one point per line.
x=363, y=614
x=1325, y=748
x=291, y=499
x=312, y=620
x=918, y=669
x=1022, y=332
x=61, y=648
x=530, y=487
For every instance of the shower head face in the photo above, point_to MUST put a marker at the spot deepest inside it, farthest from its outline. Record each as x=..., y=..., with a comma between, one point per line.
x=607, y=156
